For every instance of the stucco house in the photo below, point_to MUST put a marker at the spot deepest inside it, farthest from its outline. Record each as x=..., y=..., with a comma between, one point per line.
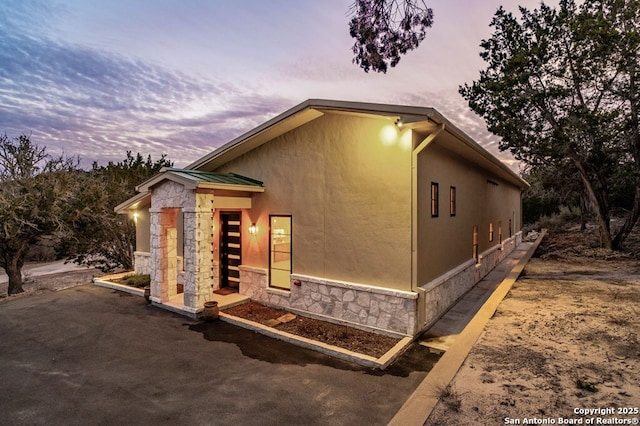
x=378, y=216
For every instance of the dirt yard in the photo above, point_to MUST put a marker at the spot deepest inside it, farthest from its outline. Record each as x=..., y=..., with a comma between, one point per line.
x=566, y=337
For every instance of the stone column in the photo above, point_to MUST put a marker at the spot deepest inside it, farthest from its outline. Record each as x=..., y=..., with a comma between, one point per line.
x=198, y=258
x=170, y=262
x=154, y=261
x=166, y=255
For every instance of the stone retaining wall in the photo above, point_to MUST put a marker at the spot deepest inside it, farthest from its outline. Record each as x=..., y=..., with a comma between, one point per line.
x=367, y=307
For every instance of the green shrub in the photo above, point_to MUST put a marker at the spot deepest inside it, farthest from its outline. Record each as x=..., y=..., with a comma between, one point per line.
x=139, y=281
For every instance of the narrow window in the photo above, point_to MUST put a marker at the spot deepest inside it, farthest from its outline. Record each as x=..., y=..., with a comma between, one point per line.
x=280, y=252
x=510, y=229
x=475, y=243
x=434, y=199
x=491, y=232
x=499, y=232
x=452, y=201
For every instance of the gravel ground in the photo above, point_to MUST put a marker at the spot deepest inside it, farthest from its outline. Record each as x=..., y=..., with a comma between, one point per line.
x=566, y=337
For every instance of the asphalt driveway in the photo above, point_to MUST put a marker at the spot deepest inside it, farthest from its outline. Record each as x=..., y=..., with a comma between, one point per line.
x=90, y=355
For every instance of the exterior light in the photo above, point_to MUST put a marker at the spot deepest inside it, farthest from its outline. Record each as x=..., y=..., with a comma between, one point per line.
x=135, y=217
x=399, y=122
x=253, y=229
x=389, y=134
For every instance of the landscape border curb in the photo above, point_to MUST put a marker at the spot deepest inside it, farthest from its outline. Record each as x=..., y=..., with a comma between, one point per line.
x=380, y=363
x=101, y=282
x=418, y=407
x=344, y=354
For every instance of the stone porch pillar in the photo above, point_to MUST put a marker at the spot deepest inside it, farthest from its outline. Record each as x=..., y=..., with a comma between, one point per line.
x=198, y=259
x=164, y=238
x=155, y=250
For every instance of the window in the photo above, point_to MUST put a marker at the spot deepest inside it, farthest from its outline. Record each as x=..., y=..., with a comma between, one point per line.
x=434, y=199
x=491, y=232
x=452, y=201
x=510, y=228
x=475, y=243
x=280, y=252
x=499, y=232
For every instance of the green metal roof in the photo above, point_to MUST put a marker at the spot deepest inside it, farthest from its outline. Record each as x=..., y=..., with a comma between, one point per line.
x=224, y=178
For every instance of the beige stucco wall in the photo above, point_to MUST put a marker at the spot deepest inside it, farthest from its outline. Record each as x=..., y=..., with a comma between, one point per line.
x=143, y=226
x=445, y=242
x=346, y=183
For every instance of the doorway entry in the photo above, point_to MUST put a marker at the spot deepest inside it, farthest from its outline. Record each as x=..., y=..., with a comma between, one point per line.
x=230, y=250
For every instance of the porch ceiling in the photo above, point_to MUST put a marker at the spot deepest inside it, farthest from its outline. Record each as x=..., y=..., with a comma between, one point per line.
x=134, y=203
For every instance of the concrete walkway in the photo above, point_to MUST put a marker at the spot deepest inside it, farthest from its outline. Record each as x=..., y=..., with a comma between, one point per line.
x=459, y=329
x=444, y=332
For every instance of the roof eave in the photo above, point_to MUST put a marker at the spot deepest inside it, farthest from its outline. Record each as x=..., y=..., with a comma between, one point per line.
x=230, y=186
x=305, y=112
x=250, y=134
x=466, y=139
x=132, y=203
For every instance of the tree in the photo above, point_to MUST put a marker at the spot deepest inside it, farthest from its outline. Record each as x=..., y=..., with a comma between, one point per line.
x=102, y=237
x=34, y=196
x=386, y=29
x=562, y=85
x=551, y=188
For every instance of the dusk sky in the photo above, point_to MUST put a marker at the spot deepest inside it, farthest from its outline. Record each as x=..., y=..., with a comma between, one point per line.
x=182, y=77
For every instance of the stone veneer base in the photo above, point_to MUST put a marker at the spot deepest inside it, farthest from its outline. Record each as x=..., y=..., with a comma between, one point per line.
x=443, y=292
x=142, y=263
x=366, y=307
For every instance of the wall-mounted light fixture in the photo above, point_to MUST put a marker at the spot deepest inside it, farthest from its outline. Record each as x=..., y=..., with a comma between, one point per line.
x=253, y=229
x=135, y=217
x=399, y=122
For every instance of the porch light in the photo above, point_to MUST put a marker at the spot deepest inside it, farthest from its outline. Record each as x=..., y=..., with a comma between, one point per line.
x=253, y=229
x=399, y=122
x=135, y=217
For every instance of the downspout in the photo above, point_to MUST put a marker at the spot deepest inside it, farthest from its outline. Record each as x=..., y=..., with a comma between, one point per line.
x=414, y=222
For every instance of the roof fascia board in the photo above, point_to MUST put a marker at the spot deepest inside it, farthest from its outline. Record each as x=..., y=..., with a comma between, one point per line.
x=167, y=175
x=490, y=157
x=270, y=124
x=235, y=148
x=313, y=108
x=373, y=108
x=230, y=187
x=467, y=140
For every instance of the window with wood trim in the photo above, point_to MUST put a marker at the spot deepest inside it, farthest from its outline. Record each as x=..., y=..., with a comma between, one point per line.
x=280, y=251
x=499, y=232
x=452, y=200
x=434, y=199
x=491, y=232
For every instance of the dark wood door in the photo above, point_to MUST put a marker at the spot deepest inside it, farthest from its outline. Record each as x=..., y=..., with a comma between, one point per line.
x=230, y=250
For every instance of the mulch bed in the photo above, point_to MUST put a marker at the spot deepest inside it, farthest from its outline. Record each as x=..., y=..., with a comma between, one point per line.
x=342, y=336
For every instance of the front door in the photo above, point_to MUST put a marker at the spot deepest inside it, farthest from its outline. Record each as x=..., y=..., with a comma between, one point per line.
x=230, y=250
